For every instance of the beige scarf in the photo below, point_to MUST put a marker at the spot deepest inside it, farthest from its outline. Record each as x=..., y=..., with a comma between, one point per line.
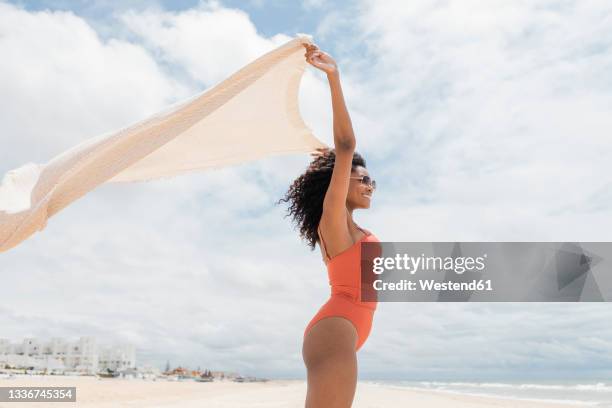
x=252, y=114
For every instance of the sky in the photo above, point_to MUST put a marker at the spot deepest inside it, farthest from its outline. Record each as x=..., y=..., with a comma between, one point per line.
x=480, y=121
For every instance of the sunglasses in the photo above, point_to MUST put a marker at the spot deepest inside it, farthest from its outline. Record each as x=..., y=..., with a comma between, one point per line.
x=367, y=181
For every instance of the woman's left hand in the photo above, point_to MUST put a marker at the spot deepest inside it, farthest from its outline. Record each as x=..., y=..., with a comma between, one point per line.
x=320, y=59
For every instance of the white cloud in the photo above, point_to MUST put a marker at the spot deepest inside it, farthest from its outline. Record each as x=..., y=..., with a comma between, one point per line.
x=208, y=41
x=61, y=83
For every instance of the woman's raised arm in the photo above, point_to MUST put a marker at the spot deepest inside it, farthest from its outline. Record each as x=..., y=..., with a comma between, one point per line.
x=343, y=128
x=334, y=205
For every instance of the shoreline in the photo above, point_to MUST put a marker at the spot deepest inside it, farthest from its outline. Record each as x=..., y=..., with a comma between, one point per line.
x=495, y=397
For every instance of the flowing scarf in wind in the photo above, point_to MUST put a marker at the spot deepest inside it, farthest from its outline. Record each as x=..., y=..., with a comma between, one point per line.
x=251, y=115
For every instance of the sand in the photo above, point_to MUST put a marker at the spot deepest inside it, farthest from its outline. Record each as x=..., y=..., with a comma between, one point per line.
x=99, y=393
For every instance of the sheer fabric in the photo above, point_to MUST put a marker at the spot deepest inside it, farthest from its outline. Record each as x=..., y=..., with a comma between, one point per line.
x=252, y=114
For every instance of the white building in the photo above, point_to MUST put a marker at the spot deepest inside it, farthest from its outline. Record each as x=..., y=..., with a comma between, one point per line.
x=58, y=354
x=119, y=357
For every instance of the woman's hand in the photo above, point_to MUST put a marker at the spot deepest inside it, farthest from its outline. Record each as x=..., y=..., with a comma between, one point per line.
x=320, y=59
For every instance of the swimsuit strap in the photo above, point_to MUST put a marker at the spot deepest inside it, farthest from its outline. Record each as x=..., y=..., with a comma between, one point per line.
x=321, y=236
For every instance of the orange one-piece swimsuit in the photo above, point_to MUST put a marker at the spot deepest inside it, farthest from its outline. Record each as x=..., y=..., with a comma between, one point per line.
x=344, y=272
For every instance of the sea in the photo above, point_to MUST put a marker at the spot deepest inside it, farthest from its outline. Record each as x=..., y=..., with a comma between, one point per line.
x=587, y=393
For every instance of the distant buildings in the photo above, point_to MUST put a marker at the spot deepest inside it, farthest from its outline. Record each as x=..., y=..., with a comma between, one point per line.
x=84, y=355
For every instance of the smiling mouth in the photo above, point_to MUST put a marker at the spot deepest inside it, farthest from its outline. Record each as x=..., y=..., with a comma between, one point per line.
x=367, y=195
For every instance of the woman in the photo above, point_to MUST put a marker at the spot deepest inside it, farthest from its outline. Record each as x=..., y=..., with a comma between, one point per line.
x=322, y=202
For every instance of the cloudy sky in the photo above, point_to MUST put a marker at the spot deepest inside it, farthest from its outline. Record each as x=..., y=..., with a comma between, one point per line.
x=480, y=120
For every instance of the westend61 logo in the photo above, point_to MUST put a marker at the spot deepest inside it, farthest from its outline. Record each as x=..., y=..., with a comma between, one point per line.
x=413, y=264
x=486, y=271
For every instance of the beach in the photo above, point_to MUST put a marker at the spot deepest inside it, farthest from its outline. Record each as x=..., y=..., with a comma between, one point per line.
x=112, y=392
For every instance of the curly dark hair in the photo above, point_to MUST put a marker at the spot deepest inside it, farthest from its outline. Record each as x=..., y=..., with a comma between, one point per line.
x=307, y=192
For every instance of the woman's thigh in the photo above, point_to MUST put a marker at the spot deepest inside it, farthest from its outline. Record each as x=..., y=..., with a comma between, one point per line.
x=331, y=362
